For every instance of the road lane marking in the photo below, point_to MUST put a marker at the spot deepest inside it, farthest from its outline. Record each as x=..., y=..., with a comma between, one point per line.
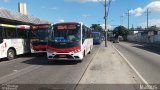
x=18, y=73
x=139, y=75
x=15, y=70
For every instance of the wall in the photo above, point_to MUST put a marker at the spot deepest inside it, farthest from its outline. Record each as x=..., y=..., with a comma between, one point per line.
x=145, y=38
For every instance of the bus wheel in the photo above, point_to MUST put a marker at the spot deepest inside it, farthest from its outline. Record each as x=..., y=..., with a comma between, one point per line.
x=90, y=51
x=83, y=54
x=79, y=61
x=11, y=54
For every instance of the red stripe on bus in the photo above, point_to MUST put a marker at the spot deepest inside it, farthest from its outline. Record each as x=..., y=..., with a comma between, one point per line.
x=63, y=50
x=39, y=46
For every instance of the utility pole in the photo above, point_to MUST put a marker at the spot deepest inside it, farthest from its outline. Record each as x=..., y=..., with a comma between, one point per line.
x=128, y=18
x=106, y=11
x=105, y=18
x=147, y=17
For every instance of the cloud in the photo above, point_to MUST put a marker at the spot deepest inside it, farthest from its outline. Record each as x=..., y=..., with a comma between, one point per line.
x=61, y=20
x=6, y=1
x=151, y=22
x=153, y=6
x=108, y=26
x=137, y=12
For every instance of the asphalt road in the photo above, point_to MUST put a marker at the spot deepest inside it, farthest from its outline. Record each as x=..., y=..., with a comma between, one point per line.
x=36, y=71
x=144, y=58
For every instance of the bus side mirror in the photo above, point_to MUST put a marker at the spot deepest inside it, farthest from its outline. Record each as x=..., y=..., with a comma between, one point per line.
x=1, y=40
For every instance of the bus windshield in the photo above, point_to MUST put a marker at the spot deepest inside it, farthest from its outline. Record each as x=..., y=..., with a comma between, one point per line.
x=65, y=35
x=96, y=35
x=41, y=34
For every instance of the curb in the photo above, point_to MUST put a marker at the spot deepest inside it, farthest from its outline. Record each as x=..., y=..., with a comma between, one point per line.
x=88, y=66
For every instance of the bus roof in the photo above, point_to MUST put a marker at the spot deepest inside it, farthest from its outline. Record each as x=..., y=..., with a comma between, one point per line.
x=7, y=25
x=23, y=26
x=40, y=26
x=16, y=26
x=67, y=23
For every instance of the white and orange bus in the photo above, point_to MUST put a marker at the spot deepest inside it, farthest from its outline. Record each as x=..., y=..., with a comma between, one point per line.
x=69, y=41
x=13, y=40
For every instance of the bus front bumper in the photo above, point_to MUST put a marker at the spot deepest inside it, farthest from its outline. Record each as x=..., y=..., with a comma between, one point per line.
x=65, y=56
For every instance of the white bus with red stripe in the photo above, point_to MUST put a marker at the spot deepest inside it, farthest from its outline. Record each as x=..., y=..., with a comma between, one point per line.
x=69, y=41
x=39, y=37
x=13, y=40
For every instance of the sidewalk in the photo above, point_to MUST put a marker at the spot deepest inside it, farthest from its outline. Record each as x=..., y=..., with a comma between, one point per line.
x=108, y=67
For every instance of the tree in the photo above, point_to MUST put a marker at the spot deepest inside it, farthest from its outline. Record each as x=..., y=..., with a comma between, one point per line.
x=96, y=27
x=121, y=31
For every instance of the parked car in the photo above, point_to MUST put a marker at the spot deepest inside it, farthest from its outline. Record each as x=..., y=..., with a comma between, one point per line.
x=116, y=40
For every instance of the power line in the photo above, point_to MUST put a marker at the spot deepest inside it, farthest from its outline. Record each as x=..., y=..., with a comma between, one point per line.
x=121, y=20
x=101, y=2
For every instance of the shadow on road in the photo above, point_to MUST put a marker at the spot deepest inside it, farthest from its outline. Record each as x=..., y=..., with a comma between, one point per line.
x=3, y=59
x=45, y=61
x=33, y=55
x=149, y=48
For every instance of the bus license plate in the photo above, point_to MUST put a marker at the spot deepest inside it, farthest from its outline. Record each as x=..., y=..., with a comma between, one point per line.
x=62, y=56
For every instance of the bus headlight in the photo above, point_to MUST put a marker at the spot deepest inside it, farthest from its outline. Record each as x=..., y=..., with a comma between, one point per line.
x=76, y=51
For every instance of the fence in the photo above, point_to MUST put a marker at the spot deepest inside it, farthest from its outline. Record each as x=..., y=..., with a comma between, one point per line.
x=144, y=38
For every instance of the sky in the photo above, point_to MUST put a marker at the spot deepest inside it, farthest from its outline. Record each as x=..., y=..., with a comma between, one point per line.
x=91, y=11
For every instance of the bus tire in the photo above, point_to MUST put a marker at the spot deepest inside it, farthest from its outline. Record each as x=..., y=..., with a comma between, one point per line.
x=11, y=54
x=84, y=54
x=79, y=61
x=90, y=50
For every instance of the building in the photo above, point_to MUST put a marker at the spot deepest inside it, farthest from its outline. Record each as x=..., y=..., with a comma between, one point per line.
x=22, y=8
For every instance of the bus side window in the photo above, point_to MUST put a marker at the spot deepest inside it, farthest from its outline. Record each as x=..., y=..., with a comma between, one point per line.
x=89, y=33
x=22, y=33
x=83, y=34
x=1, y=32
x=10, y=32
x=1, y=35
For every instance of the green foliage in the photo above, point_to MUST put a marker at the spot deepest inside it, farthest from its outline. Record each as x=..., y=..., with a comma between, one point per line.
x=96, y=27
x=121, y=31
